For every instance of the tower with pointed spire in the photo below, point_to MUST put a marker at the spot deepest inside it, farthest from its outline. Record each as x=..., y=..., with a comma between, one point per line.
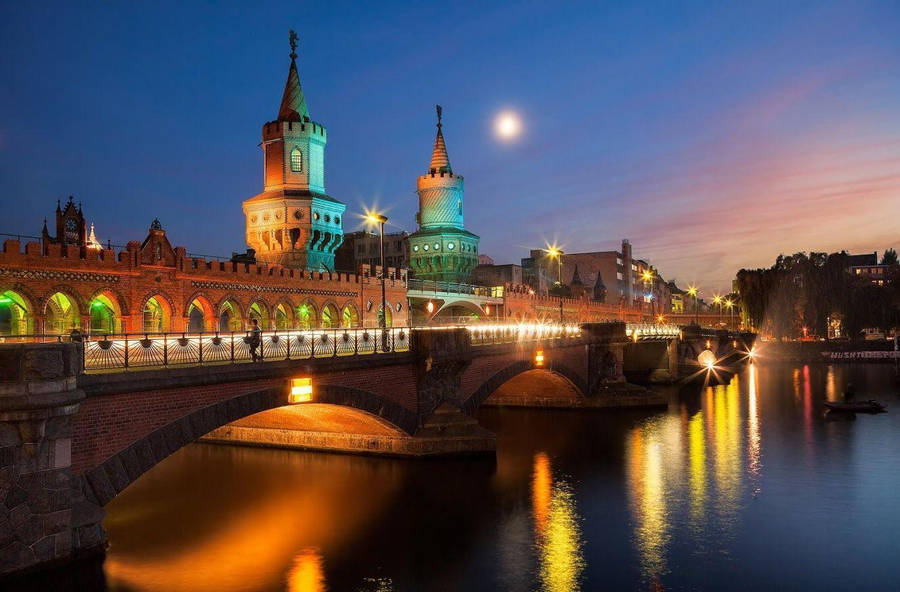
x=442, y=249
x=294, y=222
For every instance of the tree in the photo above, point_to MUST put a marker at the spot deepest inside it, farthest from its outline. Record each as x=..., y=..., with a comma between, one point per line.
x=803, y=290
x=889, y=257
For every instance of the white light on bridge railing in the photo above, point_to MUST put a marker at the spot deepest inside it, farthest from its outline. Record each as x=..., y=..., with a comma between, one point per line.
x=301, y=390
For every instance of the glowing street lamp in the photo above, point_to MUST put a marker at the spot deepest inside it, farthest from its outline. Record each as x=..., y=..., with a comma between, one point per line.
x=381, y=219
x=647, y=276
x=693, y=291
x=555, y=252
x=730, y=306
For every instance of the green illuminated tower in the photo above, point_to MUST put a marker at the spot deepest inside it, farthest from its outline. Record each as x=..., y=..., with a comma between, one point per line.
x=442, y=249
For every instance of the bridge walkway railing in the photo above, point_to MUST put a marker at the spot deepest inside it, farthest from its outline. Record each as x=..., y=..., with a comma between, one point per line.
x=134, y=351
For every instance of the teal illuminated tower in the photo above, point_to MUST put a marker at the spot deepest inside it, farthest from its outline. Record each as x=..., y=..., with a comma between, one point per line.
x=442, y=249
x=293, y=222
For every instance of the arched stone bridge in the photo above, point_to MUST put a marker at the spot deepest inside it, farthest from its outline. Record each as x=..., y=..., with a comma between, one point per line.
x=71, y=441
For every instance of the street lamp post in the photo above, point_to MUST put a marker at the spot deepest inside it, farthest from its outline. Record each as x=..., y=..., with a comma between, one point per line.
x=648, y=283
x=381, y=219
x=556, y=253
x=693, y=291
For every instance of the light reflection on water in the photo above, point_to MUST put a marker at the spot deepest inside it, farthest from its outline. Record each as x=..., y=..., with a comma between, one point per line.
x=557, y=529
x=736, y=483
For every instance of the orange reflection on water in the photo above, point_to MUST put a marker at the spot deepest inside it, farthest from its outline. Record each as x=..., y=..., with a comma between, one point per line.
x=830, y=385
x=541, y=491
x=248, y=541
x=557, y=529
x=307, y=574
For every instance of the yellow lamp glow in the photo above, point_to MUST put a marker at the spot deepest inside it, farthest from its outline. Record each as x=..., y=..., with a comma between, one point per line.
x=301, y=390
x=429, y=307
x=707, y=359
x=539, y=358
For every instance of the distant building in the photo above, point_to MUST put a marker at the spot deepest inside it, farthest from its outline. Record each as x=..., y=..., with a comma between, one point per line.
x=619, y=274
x=867, y=266
x=497, y=275
x=71, y=228
x=364, y=248
x=676, y=299
x=865, y=260
x=485, y=260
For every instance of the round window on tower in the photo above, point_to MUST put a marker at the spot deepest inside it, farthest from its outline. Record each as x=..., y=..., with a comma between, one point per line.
x=298, y=214
x=337, y=220
x=416, y=248
x=315, y=215
x=327, y=218
x=425, y=247
x=450, y=246
x=437, y=246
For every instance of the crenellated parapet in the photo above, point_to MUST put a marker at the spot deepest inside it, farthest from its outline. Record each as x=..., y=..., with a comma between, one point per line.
x=151, y=286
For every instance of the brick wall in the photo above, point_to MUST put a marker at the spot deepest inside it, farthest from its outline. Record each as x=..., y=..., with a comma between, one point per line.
x=107, y=424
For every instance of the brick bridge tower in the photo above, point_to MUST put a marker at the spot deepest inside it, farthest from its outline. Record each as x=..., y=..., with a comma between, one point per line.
x=293, y=222
x=442, y=249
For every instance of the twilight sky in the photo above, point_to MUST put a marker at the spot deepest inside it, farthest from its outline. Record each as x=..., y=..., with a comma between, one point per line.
x=713, y=135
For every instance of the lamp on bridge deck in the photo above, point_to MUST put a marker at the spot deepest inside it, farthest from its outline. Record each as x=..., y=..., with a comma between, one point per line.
x=381, y=219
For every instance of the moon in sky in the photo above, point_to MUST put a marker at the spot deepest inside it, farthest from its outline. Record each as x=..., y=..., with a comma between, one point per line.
x=508, y=125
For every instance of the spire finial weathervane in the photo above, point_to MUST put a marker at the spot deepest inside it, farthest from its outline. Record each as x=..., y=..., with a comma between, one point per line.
x=439, y=110
x=292, y=38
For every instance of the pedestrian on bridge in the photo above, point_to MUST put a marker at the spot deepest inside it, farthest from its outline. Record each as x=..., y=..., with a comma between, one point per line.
x=255, y=341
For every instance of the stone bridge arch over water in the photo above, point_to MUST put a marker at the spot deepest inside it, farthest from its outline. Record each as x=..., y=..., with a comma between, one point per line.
x=70, y=441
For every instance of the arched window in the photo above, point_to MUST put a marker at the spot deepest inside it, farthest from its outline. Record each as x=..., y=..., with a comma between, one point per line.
x=62, y=314
x=349, y=317
x=330, y=319
x=15, y=314
x=296, y=160
x=260, y=314
x=155, y=316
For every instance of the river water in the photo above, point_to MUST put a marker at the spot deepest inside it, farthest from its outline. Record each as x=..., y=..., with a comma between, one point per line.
x=743, y=486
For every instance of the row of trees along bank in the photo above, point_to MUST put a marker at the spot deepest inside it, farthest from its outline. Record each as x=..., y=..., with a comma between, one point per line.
x=805, y=291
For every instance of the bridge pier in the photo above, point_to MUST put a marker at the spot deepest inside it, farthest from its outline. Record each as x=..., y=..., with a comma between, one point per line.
x=43, y=518
x=440, y=428
x=655, y=362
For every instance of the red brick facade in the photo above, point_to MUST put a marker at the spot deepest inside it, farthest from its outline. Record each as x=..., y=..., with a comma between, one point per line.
x=187, y=293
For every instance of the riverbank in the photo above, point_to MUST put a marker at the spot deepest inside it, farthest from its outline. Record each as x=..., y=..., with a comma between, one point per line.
x=881, y=351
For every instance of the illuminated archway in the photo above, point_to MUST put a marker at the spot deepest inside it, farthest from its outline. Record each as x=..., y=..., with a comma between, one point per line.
x=156, y=315
x=106, y=313
x=349, y=317
x=259, y=312
x=230, y=316
x=388, y=316
x=330, y=318
x=62, y=314
x=199, y=315
x=306, y=316
x=16, y=316
x=283, y=317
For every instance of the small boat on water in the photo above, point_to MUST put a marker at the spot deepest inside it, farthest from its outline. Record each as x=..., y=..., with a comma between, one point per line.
x=869, y=406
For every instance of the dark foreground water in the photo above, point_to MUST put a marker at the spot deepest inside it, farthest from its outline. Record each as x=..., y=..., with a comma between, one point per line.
x=745, y=486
